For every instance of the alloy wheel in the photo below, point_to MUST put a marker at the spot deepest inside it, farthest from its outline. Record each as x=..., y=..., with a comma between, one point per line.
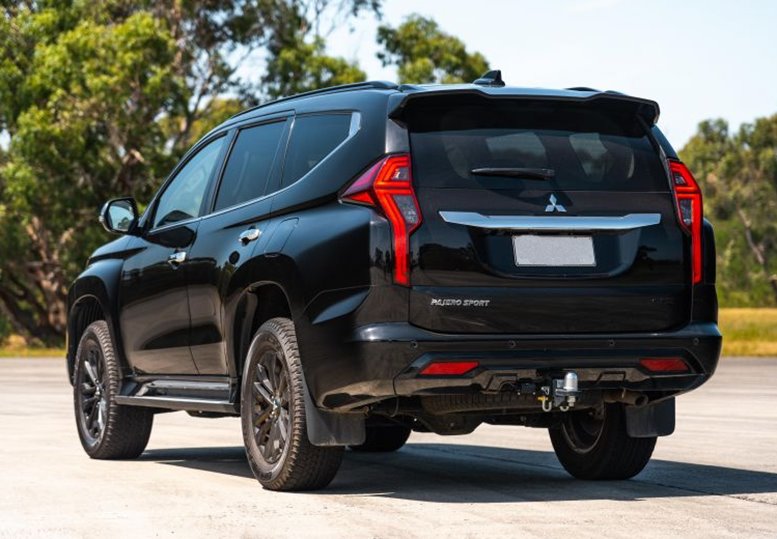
x=271, y=417
x=92, y=394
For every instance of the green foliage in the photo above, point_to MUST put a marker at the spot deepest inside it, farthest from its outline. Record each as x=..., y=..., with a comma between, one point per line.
x=424, y=53
x=100, y=99
x=738, y=174
x=302, y=67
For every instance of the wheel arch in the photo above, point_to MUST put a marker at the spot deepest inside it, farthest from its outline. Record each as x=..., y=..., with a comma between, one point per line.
x=261, y=302
x=92, y=297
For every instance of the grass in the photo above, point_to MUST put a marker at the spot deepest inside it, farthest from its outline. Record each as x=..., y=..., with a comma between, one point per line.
x=14, y=346
x=6, y=351
x=749, y=332
x=746, y=332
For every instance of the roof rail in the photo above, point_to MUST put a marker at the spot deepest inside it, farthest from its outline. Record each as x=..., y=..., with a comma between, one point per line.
x=582, y=89
x=374, y=84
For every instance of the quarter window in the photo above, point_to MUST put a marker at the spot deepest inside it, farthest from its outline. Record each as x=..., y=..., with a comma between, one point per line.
x=250, y=164
x=182, y=199
x=313, y=138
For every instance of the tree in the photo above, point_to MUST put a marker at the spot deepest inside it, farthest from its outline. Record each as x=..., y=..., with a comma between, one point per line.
x=738, y=173
x=301, y=67
x=424, y=53
x=99, y=99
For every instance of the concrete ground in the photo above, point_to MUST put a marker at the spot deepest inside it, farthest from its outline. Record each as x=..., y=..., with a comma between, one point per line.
x=715, y=477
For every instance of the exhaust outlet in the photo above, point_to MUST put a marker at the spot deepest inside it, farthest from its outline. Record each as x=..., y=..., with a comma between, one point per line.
x=626, y=396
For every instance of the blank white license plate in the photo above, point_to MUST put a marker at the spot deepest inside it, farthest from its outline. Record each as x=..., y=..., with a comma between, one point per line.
x=554, y=250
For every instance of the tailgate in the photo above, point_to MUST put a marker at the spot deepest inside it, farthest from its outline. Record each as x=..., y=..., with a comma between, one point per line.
x=542, y=217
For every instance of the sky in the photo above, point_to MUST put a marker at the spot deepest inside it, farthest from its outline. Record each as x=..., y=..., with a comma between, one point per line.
x=697, y=59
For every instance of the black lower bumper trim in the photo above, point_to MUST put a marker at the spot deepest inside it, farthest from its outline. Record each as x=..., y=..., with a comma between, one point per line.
x=391, y=356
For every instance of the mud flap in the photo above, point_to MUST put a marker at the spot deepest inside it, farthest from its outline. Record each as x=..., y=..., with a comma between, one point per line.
x=330, y=429
x=651, y=420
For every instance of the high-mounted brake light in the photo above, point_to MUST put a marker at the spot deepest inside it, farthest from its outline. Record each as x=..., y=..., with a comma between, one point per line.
x=388, y=186
x=689, y=212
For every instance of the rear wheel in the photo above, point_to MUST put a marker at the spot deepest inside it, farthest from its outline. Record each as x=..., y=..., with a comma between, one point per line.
x=383, y=439
x=106, y=429
x=273, y=415
x=595, y=445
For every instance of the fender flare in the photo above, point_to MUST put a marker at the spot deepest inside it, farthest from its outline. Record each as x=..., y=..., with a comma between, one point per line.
x=99, y=283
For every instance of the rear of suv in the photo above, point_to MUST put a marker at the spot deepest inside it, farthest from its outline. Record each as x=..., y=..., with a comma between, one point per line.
x=343, y=267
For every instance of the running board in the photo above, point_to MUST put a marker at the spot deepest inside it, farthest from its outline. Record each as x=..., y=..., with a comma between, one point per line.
x=179, y=403
x=217, y=394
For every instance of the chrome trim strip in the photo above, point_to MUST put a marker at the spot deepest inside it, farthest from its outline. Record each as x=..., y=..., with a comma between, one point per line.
x=356, y=124
x=183, y=385
x=175, y=403
x=551, y=223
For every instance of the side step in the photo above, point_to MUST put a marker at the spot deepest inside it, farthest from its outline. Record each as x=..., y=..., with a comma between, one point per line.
x=218, y=396
x=178, y=403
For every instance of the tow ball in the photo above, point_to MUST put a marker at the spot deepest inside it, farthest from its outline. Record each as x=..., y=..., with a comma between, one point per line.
x=562, y=393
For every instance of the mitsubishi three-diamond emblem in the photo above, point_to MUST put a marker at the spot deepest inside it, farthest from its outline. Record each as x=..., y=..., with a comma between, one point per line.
x=554, y=205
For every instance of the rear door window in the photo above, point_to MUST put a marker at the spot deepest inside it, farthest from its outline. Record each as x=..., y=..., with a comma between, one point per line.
x=250, y=164
x=585, y=147
x=313, y=138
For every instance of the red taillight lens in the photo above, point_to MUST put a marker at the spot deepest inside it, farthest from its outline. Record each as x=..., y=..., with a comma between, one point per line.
x=449, y=368
x=388, y=185
x=664, y=364
x=689, y=211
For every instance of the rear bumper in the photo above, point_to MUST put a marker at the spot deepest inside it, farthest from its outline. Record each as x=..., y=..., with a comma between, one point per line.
x=382, y=361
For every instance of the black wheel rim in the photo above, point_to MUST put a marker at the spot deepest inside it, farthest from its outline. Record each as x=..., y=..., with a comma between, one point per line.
x=92, y=394
x=583, y=430
x=271, y=418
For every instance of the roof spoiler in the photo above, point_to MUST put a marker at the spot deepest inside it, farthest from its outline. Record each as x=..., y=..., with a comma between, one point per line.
x=646, y=109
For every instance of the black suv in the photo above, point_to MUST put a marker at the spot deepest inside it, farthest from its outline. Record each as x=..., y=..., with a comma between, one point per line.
x=342, y=267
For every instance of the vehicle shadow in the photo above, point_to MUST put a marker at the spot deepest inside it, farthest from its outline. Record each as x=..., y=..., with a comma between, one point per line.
x=478, y=474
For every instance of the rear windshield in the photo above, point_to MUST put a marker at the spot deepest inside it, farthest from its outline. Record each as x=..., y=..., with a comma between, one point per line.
x=577, y=146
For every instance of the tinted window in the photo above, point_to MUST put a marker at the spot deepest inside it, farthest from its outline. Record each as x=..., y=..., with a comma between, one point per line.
x=312, y=139
x=249, y=165
x=591, y=148
x=182, y=199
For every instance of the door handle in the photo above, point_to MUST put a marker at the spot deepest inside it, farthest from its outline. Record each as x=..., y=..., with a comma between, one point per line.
x=176, y=258
x=247, y=236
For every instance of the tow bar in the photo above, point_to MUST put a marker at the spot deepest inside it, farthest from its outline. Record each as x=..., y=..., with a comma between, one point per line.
x=562, y=393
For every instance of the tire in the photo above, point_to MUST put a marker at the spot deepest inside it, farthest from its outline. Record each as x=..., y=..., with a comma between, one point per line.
x=107, y=430
x=383, y=439
x=273, y=415
x=592, y=445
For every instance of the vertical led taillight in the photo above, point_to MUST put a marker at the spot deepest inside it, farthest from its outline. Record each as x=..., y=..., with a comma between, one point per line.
x=388, y=186
x=689, y=212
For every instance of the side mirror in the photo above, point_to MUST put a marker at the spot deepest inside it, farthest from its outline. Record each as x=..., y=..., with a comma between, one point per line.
x=119, y=215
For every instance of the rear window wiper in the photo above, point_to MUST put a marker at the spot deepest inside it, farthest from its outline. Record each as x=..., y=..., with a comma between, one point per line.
x=527, y=173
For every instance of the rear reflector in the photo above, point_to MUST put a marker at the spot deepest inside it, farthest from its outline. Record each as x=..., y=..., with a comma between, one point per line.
x=449, y=368
x=664, y=364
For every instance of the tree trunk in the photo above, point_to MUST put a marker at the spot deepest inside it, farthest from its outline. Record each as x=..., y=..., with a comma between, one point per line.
x=758, y=250
x=33, y=292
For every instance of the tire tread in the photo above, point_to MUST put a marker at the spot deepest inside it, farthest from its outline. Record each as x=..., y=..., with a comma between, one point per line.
x=307, y=467
x=128, y=428
x=615, y=456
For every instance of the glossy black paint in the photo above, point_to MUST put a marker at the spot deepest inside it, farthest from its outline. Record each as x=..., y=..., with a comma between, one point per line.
x=327, y=265
x=640, y=282
x=152, y=289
